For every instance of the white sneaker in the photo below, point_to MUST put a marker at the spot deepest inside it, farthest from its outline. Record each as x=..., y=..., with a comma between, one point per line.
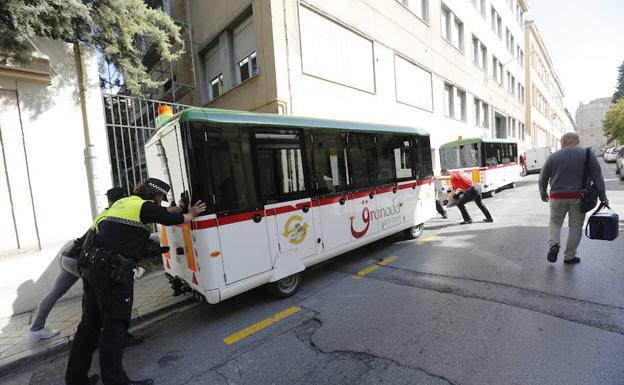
x=41, y=334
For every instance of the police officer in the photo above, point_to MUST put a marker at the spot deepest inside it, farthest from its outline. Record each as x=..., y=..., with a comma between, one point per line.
x=120, y=240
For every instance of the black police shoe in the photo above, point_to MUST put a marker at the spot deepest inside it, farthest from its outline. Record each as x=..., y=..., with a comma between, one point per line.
x=147, y=381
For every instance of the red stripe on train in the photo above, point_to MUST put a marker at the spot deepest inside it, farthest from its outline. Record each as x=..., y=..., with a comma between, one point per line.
x=204, y=224
x=209, y=223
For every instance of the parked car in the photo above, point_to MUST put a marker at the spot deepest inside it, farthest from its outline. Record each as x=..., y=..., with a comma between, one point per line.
x=619, y=162
x=610, y=155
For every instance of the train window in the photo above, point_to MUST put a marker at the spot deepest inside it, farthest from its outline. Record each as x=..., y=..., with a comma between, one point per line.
x=280, y=164
x=425, y=166
x=493, y=154
x=383, y=159
x=462, y=156
x=327, y=156
x=405, y=156
x=361, y=156
x=230, y=165
x=199, y=161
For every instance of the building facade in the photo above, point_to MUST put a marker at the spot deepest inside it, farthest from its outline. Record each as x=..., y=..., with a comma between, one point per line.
x=54, y=168
x=589, y=122
x=546, y=116
x=453, y=67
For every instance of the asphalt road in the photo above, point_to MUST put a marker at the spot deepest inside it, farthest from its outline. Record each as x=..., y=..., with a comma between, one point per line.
x=473, y=304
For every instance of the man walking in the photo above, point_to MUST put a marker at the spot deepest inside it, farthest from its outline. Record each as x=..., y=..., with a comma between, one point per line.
x=564, y=170
x=471, y=192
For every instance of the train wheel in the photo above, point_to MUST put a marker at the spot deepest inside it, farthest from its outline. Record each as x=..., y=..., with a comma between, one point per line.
x=285, y=287
x=414, y=231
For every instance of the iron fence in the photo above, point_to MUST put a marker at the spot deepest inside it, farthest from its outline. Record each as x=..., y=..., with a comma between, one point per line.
x=130, y=121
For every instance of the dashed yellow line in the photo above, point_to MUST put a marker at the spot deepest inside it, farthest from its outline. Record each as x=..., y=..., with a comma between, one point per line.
x=363, y=272
x=229, y=340
x=388, y=260
x=372, y=268
x=428, y=238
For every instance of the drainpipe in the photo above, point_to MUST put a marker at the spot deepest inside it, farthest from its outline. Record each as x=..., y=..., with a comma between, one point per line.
x=89, y=153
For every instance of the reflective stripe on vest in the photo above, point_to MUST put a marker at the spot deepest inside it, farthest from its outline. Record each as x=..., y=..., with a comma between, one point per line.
x=126, y=211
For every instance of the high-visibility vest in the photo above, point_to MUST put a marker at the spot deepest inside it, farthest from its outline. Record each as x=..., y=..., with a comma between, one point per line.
x=126, y=211
x=99, y=217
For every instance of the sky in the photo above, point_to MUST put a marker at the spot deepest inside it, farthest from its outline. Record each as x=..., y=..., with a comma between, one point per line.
x=585, y=41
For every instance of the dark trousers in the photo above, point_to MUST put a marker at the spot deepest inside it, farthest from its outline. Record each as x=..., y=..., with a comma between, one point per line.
x=106, y=310
x=472, y=194
x=439, y=208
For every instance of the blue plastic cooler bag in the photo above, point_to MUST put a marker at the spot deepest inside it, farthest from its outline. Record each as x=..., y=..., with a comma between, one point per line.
x=603, y=224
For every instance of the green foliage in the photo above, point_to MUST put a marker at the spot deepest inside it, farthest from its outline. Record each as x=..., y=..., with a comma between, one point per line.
x=614, y=122
x=112, y=26
x=619, y=88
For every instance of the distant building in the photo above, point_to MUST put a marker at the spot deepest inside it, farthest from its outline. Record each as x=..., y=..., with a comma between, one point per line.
x=589, y=124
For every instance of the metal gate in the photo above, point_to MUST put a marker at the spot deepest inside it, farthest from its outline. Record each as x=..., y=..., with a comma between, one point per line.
x=130, y=122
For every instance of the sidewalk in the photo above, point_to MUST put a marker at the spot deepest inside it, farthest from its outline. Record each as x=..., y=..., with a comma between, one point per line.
x=152, y=296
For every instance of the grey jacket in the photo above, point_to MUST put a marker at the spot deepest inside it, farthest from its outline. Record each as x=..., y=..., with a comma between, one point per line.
x=564, y=171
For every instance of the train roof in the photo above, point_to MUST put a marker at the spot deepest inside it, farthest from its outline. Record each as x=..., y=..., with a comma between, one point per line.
x=462, y=142
x=233, y=117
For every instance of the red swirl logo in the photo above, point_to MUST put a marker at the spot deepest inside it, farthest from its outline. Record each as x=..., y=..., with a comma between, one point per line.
x=366, y=220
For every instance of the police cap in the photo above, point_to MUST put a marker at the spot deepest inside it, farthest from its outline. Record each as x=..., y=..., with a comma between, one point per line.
x=159, y=186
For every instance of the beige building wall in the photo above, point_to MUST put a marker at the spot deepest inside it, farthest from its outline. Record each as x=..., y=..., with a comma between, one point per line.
x=396, y=62
x=545, y=114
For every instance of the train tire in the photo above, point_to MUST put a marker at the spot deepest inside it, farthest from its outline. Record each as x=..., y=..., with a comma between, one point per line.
x=285, y=287
x=414, y=231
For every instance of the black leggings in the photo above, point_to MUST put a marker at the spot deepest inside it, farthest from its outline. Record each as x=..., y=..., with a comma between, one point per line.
x=472, y=194
x=439, y=208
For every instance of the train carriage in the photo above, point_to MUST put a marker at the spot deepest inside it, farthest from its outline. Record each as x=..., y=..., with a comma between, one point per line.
x=492, y=163
x=283, y=193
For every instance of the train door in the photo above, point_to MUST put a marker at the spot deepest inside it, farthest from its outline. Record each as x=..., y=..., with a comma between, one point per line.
x=330, y=174
x=280, y=165
x=364, y=174
x=240, y=216
x=393, y=163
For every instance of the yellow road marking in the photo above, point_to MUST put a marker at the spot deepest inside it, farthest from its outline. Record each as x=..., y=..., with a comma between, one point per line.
x=372, y=268
x=388, y=260
x=363, y=272
x=427, y=238
x=260, y=325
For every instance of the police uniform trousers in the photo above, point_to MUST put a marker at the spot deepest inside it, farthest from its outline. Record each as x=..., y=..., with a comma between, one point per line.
x=106, y=311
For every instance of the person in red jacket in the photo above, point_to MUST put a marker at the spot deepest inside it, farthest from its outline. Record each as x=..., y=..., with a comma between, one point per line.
x=471, y=192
